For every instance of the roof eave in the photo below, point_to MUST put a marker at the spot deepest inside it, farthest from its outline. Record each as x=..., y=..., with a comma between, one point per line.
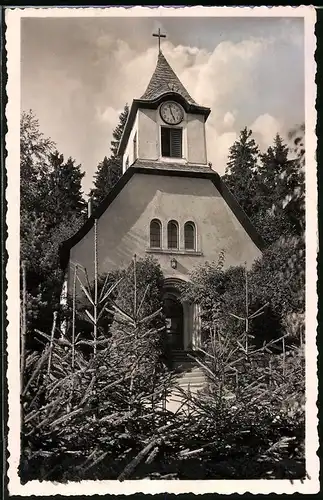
x=127, y=128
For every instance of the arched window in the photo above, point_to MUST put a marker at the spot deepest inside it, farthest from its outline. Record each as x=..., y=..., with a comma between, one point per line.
x=155, y=234
x=190, y=236
x=172, y=234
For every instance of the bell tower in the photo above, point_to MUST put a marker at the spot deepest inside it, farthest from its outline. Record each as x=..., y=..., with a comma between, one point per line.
x=165, y=126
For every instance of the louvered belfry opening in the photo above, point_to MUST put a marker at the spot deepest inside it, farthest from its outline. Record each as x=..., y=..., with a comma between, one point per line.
x=171, y=142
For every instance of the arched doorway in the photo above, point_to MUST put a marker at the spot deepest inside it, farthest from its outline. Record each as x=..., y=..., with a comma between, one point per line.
x=173, y=310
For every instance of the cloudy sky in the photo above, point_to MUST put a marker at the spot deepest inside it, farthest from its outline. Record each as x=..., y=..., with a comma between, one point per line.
x=78, y=73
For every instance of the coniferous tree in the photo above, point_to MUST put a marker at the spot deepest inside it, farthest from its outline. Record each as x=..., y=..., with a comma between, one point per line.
x=281, y=188
x=35, y=151
x=241, y=171
x=270, y=219
x=295, y=181
x=109, y=170
x=118, y=131
x=108, y=173
x=271, y=192
x=273, y=165
x=52, y=209
x=64, y=189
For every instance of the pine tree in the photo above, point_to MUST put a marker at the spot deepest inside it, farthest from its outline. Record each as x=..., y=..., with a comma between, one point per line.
x=108, y=173
x=64, y=190
x=273, y=165
x=282, y=187
x=109, y=170
x=35, y=150
x=241, y=171
x=295, y=182
x=118, y=131
x=52, y=209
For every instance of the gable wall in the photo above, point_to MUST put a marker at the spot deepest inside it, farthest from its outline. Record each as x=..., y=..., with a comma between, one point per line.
x=123, y=230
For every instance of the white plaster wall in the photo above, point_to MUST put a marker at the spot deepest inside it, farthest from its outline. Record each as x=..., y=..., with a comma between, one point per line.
x=147, y=135
x=129, y=148
x=123, y=230
x=196, y=143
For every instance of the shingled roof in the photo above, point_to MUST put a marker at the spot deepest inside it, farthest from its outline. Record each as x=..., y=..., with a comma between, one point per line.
x=165, y=80
x=163, y=84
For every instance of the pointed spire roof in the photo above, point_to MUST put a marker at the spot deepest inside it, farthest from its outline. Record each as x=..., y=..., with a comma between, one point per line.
x=164, y=80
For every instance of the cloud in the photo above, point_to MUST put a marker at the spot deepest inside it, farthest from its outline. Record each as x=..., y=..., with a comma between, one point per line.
x=219, y=149
x=108, y=115
x=229, y=119
x=266, y=127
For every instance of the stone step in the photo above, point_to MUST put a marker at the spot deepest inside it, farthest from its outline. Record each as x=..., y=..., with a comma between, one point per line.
x=188, y=376
x=192, y=384
x=192, y=374
x=184, y=386
x=196, y=372
x=193, y=378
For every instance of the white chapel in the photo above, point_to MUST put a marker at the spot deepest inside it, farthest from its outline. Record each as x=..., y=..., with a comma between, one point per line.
x=169, y=203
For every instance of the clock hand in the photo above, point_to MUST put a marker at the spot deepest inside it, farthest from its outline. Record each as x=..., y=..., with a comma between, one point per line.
x=171, y=112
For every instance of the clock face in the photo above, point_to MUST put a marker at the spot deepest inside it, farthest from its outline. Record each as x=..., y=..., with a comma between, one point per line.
x=171, y=113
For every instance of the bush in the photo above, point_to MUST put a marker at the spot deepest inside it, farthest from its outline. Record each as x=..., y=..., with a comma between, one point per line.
x=276, y=280
x=89, y=415
x=250, y=421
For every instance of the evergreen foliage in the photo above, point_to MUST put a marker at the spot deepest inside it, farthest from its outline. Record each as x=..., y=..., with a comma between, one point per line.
x=241, y=171
x=250, y=420
x=118, y=131
x=109, y=170
x=274, y=162
x=102, y=416
x=110, y=403
x=93, y=397
x=276, y=280
x=52, y=209
x=269, y=187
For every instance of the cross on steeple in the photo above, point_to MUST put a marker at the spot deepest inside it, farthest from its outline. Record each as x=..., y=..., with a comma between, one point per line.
x=159, y=35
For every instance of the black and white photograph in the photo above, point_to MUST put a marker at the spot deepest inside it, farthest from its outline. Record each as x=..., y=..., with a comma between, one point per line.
x=162, y=240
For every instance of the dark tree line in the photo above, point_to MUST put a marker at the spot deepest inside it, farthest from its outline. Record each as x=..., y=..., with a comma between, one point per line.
x=270, y=187
x=109, y=170
x=271, y=190
x=52, y=209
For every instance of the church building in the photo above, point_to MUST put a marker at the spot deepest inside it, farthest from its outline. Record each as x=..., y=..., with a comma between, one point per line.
x=169, y=203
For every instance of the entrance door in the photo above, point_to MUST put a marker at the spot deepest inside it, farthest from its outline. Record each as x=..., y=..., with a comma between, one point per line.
x=173, y=311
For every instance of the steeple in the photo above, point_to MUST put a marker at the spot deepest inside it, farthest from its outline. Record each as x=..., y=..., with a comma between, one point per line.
x=163, y=81
x=165, y=95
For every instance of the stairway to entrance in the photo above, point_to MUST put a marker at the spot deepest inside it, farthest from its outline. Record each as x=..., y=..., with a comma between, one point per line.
x=190, y=378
